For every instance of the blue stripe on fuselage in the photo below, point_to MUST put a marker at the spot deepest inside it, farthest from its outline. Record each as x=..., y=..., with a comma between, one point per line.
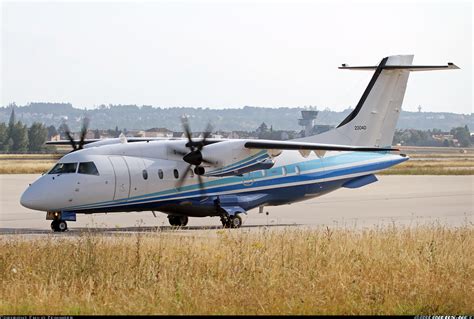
x=222, y=185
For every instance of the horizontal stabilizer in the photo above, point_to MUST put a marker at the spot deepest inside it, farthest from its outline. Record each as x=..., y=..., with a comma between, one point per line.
x=412, y=68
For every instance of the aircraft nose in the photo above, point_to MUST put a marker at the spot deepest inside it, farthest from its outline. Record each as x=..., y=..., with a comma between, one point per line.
x=30, y=199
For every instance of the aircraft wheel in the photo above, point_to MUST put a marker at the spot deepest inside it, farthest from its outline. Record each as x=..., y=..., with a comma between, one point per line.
x=232, y=221
x=235, y=221
x=58, y=225
x=183, y=220
x=178, y=221
x=62, y=225
x=225, y=220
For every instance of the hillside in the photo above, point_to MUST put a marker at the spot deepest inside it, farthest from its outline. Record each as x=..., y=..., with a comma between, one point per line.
x=247, y=118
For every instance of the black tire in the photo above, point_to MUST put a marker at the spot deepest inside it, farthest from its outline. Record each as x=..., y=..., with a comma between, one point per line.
x=235, y=221
x=173, y=220
x=178, y=221
x=54, y=225
x=58, y=225
x=225, y=222
x=183, y=220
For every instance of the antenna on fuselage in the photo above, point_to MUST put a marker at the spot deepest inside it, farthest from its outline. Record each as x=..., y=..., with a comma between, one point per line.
x=123, y=138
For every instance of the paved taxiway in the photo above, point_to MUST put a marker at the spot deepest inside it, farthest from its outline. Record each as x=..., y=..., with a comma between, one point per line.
x=403, y=200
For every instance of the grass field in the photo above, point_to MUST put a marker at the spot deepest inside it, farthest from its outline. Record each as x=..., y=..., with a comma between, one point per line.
x=27, y=163
x=462, y=166
x=422, y=270
x=29, y=166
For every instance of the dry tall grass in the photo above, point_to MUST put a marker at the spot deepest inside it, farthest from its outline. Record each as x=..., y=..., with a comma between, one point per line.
x=27, y=166
x=422, y=270
x=463, y=166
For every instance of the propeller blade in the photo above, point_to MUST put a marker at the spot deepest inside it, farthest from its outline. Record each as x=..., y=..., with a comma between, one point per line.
x=187, y=132
x=85, y=125
x=71, y=139
x=206, y=135
x=183, y=177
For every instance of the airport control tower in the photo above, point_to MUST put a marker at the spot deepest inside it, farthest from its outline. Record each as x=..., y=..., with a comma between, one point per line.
x=308, y=121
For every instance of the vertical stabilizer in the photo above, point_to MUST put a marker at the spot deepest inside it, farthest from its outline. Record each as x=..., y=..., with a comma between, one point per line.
x=373, y=120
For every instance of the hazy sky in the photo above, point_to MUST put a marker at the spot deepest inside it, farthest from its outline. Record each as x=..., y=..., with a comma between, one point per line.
x=230, y=53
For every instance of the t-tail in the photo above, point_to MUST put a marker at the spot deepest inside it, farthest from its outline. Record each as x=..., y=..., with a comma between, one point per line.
x=373, y=120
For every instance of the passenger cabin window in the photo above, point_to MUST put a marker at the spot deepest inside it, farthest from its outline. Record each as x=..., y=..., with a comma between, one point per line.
x=145, y=174
x=283, y=170
x=88, y=168
x=297, y=170
x=160, y=174
x=176, y=173
x=63, y=168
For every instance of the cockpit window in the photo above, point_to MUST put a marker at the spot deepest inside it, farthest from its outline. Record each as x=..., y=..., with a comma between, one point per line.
x=63, y=168
x=88, y=168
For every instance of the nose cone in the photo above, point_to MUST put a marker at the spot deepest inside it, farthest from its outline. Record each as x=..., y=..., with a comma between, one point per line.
x=32, y=198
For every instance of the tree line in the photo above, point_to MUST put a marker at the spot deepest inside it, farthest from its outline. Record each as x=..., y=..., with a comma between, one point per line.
x=413, y=137
x=16, y=137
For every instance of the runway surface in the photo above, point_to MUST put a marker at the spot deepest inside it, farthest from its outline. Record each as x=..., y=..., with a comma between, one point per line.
x=399, y=200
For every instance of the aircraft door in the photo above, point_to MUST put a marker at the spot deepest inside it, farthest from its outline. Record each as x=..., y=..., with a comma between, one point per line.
x=138, y=176
x=122, y=177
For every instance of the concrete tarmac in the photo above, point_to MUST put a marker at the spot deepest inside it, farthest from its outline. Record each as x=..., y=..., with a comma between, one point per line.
x=399, y=200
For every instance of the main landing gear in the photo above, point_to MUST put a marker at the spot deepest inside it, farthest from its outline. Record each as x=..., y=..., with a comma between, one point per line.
x=178, y=221
x=58, y=225
x=231, y=221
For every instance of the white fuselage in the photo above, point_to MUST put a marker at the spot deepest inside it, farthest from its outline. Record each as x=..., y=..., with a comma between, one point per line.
x=143, y=176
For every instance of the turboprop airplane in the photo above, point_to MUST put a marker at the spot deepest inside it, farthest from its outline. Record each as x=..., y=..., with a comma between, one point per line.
x=227, y=177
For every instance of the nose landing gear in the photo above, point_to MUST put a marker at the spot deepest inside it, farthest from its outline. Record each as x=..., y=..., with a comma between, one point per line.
x=59, y=225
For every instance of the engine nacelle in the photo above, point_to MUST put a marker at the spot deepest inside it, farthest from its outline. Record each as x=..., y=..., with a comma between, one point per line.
x=232, y=158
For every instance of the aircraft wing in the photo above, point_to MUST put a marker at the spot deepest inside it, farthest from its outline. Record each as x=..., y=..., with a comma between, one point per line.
x=116, y=140
x=68, y=142
x=301, y=146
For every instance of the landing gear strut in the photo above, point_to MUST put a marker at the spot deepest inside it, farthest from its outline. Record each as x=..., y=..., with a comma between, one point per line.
x=58, y=225
x=231, y=221
x=178, y=221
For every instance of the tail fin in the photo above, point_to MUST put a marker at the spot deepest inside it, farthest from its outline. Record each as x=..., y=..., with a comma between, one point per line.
x=373, y=120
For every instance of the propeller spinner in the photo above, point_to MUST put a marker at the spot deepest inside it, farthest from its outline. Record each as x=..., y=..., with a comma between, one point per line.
x=194, y=156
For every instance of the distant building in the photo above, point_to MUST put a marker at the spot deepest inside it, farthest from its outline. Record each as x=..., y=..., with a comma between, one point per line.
x=445, y=136
x=135, y=133
x=55, y=138
x=158, y=132
x=307, y=120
